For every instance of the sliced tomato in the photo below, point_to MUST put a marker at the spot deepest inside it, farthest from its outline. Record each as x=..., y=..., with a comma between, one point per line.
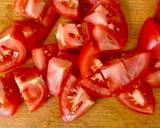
x=153, y=79
x=137, y=65
x=67, y=8
x=29, y=8
x=10, y=97
x=95, y=86
x=12, y=50
x=149, y=37
x=34, y=32
x=115, y=75
x=32, y=87
x=58, y=70
x=109, y=15
x=68, y=36
x=74, y=101
x=88, y=60
x=43, y=54
x=105, y=41
x=140, y=98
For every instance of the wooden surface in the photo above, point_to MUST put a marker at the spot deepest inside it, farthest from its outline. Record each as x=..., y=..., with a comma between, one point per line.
x=107, y=113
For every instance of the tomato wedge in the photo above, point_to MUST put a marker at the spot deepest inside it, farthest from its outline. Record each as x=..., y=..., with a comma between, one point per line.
x=68, y=36
x=34, y=32
x=29, y=8
x=67, y=8
x=140, y=98
x=104, y=40
x=88, y=60
x=10, y=97
x=32, y=87
x=115, y=30
x=12, y=50
x=74, y=101
x=57, y=72
x=95, y=86
x=119, y=73
x=43, y=54
x=149, y=37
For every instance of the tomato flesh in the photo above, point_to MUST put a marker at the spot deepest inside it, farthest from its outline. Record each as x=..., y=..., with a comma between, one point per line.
x=116, y=76
x=74, y=101
x=32, y=87
x=140, y=98
x=153, y=79
x=104, y=40
x=29, y=8
x=10, y=97
x=68, y=36
x=12, y=50
x=58, y=70
x=137, y=65
x=43, y=54
x=67, y=8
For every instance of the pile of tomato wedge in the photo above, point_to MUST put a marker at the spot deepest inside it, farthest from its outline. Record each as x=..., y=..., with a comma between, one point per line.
x=87, y=60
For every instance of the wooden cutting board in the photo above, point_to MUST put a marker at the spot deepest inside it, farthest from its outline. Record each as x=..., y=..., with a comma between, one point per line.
x=107, y=113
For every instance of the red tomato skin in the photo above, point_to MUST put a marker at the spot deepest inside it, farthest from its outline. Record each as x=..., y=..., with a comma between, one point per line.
x=87, y=54
x=96, y=90
x=48, y=16
x=10, y=95
x=57, y=72
x=143, y=90
x=149, y=37
x=43, y=54
x=82, y=97
x=157, y=15
x=13, y=39
x=32, y=87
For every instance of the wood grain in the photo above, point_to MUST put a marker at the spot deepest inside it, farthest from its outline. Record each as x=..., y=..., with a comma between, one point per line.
x=107, y=113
